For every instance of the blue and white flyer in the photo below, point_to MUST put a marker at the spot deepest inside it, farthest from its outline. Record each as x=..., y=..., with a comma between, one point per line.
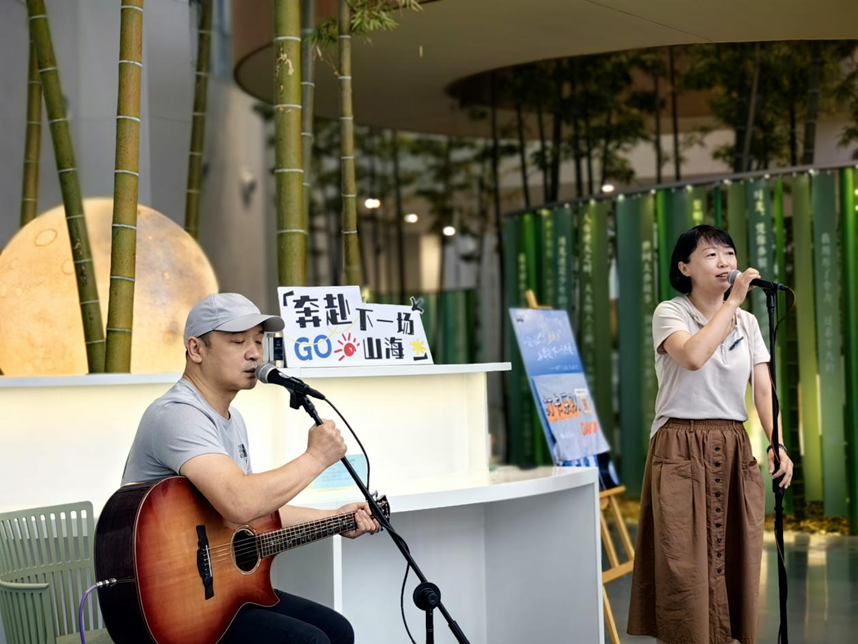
x=559, y=385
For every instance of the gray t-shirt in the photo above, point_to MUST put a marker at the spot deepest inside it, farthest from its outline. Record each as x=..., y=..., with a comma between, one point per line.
x=179, y=426
x=717, y=389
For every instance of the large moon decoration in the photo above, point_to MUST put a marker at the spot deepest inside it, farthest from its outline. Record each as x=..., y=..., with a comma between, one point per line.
x=41, y=332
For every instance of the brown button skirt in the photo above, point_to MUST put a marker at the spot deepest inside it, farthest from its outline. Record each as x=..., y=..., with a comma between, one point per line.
x=700, y=536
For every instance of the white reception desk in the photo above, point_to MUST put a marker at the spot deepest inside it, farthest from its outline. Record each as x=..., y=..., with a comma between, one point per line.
x=516, y=553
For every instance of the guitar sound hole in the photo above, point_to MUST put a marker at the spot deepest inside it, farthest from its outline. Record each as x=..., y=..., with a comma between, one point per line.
x=244, y=550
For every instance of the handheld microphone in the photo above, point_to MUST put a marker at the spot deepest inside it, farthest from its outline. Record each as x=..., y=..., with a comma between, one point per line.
x=763, y=284
x=270, y=374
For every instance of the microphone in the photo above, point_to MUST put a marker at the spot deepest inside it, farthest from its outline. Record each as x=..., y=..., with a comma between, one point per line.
x=270, y=374
x=763, y=284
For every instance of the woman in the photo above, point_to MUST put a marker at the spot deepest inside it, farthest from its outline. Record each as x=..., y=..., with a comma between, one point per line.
x=700, y=535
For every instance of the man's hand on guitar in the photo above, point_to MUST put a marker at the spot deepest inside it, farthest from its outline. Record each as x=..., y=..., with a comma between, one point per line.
x=325, y=443
x=363, y=518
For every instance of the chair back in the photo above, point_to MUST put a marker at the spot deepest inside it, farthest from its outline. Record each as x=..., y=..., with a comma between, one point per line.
x=46, y=564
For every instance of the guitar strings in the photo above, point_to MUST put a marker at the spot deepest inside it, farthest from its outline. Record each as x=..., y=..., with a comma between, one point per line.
x=260, y=547
x=259, y=542
x=266, y=538
x=291, y=531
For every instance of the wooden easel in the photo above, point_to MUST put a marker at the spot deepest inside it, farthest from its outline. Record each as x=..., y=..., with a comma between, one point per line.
x=607, y=499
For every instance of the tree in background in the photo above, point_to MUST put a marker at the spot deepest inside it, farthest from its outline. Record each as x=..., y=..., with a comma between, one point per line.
x=654, y=63
x=615, y=125
x=849, y=136
x=651, y=63
x=796, y=81
x=356, y=18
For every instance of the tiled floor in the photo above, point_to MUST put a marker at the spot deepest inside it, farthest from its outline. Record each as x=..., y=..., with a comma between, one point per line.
x=823, y=592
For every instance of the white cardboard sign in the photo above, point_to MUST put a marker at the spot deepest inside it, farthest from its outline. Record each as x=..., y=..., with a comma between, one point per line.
x=331, y=326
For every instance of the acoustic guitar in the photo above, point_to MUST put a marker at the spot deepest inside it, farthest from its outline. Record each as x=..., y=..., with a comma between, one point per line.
x=183, y=571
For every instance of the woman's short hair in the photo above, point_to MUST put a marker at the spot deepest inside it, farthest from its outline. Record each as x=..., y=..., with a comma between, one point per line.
x=686, y=244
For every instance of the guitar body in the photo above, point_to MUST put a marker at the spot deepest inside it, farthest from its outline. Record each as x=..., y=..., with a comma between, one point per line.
x=183, y=571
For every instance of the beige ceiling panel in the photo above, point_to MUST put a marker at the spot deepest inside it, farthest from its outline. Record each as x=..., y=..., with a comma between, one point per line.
x=394, y=86
x=748, y=20
x=401, y=79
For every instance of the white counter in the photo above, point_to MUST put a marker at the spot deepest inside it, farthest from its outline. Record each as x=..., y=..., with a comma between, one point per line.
x=516, y=552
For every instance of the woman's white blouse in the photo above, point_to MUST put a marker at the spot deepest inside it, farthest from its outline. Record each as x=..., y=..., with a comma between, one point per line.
x=717, y=389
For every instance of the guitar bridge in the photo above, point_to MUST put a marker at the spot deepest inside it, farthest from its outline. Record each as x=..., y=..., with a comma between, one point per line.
x=204, y=562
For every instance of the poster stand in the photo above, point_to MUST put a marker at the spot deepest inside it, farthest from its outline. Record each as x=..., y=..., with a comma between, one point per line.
x=607, y=500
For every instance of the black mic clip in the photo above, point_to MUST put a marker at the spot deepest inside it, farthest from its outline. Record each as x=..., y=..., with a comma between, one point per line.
x=298, y=386
x=295, y=399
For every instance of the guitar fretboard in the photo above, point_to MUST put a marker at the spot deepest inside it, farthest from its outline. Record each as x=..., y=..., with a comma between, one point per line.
x=277, y=541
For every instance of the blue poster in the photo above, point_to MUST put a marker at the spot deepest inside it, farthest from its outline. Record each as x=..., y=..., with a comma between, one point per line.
x=559, y=386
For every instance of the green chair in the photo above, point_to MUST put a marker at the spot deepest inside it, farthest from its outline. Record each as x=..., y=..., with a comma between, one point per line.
x=45, y=567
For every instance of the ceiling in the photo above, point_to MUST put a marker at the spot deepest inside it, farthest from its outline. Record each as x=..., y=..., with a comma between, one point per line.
x=401, y=79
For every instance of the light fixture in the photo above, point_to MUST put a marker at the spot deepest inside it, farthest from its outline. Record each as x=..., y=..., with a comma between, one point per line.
x=411, y=218
x=608, y=188
x=449, y=231
x=372, y=204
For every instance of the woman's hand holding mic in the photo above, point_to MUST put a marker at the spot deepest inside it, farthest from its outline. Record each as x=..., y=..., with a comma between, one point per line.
x=742, y=285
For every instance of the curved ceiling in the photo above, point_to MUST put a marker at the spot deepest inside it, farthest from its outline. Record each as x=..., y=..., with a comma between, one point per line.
x=401, y=78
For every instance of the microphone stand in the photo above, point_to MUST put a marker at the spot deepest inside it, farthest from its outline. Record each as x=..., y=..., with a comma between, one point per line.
x=427, y=596
x=771, y=306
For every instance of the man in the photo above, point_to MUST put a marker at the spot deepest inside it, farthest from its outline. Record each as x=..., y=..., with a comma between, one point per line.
x=192, y=430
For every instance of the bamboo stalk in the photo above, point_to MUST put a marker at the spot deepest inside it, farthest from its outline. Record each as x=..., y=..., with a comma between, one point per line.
x=752, y=114
x=288, y=164
x=657, y=110
x=90, y=308
x=351, y=244
x=849, y=241
x=32, y=145
x=812, y=105
x=400, y=223
x=198, y=121
x=674, y=114
x=522, y=154
x=308, y=87
x=123, y=248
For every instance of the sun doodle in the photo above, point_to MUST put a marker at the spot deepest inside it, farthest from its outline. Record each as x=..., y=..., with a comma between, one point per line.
x=348, y=346
x=418, y=347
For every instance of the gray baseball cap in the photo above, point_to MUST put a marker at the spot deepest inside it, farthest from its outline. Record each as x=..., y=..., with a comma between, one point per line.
x=227, y=312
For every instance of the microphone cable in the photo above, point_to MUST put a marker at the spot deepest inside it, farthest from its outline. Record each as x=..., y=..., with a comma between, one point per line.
x=386, y=524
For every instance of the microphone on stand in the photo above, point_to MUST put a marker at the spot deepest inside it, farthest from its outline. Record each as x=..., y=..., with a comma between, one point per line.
x=270, y=374
x=763, y=284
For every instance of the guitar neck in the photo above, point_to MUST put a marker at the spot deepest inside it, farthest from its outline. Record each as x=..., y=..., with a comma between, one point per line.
x=276, y=541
